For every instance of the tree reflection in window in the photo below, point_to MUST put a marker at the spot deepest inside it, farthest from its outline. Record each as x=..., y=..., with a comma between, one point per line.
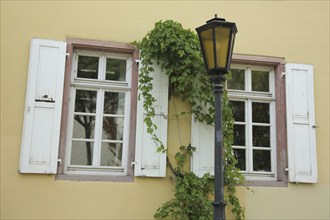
x=113, y=123
x=86, y=103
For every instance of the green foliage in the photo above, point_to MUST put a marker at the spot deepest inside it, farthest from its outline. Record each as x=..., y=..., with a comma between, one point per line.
x=191, y=199
x=177, y=51
x=191, y=193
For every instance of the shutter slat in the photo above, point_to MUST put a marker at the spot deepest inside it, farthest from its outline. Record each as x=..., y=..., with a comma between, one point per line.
x=43, y=107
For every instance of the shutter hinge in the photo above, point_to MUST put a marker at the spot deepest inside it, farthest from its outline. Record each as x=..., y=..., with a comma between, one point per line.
x=67, y=54
x=133, y=163
x=137, y=61
x=283, y=74
x=59, y=160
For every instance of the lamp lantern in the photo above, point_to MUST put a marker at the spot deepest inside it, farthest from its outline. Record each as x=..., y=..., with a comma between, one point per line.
x=217, y=39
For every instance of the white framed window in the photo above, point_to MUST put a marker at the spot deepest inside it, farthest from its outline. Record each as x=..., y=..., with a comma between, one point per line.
x=251, y=92
x=99, y=113
x=257, y=96
x=83, y=119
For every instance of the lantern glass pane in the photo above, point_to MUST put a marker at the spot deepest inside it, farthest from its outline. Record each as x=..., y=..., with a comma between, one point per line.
x=231, y=47
x=222, y=45
x=207, y=41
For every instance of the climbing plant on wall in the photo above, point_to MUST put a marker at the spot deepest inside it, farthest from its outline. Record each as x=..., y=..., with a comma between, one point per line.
x=177, y=51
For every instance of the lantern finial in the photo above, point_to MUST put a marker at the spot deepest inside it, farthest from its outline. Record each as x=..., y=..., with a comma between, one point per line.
x=215, y=19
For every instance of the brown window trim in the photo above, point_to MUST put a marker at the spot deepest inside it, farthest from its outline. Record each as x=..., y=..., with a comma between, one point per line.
x=278, y=64
x=96, y=45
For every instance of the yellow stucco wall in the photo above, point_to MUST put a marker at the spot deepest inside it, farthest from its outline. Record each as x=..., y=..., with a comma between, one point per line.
x=296, y=30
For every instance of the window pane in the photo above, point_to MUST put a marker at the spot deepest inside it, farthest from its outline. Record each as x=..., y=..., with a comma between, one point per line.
x=111, y=154
x=113, y=128
x=88, y=67
x=260, y=112
x=85, y=101
x=238, y=109
x=114, y=103
x=83, y=127
x=239, y=135
x=116, y=69
x=261, y=136
x=261, y=160
x=260, y=81
x=240, y=157
x=237, y=81
x=81, y=153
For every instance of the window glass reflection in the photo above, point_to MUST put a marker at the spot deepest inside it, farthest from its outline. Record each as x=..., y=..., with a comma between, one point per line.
x=111, y=154
x=238, y=109
x=81, y=153
x=261, y=136
x=114, y=103
x=239, y=135
x=240, y=157
x=237, y=82
x=88, y=67
x=83, y=127
x=116, y=70
x=260, y=112
x=260, y=81
x=113, y=128
x=261, y=160
x=85, y=101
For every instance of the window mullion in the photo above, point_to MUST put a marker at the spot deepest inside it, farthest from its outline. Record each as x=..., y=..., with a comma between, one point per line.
x=246, y=122
x=249, y=136
x=74, y=69
x=272, y=83
x=102, y=67
x=99, y=114
x=248, y=81
x=129, y=66
x=98, y=128
x=70, y=126
x=126, y=132
x=273, y=137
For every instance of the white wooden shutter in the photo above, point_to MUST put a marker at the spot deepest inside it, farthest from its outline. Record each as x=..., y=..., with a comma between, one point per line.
x=301, y=123
x=202, y=137
x=43, y=106
x=149, y=162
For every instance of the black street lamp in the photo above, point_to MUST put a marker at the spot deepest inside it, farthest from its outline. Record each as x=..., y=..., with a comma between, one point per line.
x=217, y=39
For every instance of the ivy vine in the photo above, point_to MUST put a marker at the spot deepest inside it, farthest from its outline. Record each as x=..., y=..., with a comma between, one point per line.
x=177, y=51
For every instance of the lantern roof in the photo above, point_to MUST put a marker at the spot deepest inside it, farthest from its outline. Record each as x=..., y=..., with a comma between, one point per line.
x=216, y=21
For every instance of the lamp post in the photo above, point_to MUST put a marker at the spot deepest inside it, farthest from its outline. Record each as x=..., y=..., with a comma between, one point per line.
x=217, y=42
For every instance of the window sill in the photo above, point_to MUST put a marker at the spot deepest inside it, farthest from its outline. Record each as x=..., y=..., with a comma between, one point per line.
x=79, y=177
x=266, y=183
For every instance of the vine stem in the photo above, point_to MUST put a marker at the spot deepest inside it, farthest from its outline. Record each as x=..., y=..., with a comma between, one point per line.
x=177, y=122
